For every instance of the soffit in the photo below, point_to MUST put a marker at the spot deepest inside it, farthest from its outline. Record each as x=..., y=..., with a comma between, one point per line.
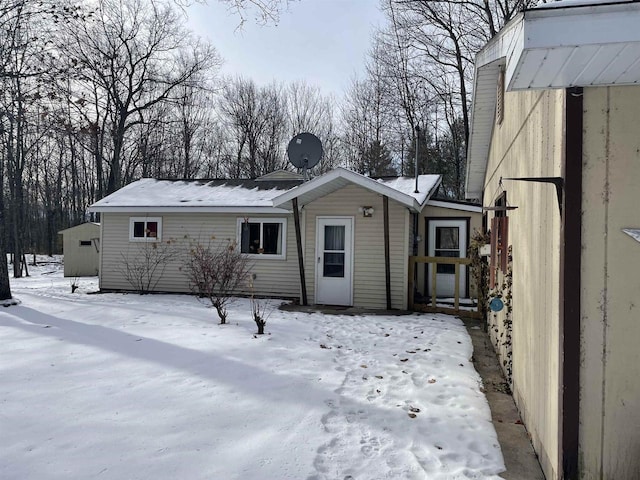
x=560, y=45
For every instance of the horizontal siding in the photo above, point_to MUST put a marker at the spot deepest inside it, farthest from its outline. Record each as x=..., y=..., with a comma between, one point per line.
x=274, y=277
x=369, y=272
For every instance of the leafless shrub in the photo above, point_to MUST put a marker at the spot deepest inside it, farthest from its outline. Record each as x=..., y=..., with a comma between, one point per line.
x=216, y=272
x=260, y=310
x=144, y=267
x=74, y=283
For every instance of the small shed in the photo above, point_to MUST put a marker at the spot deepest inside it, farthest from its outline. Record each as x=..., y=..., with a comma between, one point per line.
x=81, y=249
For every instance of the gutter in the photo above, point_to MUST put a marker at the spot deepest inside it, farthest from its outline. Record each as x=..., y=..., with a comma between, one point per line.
x=189, y=209
x=571, y=284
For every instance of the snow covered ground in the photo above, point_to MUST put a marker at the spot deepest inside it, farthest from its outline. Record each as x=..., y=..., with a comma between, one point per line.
x=121, y=386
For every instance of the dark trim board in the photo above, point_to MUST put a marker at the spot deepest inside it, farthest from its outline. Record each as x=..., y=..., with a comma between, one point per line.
x=570, y=284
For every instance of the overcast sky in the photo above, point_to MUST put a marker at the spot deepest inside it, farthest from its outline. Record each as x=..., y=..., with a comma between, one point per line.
x=323, y=42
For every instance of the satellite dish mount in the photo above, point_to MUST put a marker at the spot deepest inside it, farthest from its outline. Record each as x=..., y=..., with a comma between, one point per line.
x=304, y=151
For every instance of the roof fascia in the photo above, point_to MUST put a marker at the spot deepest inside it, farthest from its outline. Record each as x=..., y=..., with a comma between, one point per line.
x=189, y=209
x=433, y=190
x=501, y=50
x=454, y=206
x=353, y=177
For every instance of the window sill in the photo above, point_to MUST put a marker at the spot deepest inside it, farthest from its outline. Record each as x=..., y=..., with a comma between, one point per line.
x=145, y=240
x=262, y=256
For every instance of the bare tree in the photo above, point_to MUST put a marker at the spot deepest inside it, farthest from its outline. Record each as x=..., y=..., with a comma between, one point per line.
x=136, y=54
x=256, y=116
x=308, y=110
x=442, y=37
x=366, y=118
x=25, y=73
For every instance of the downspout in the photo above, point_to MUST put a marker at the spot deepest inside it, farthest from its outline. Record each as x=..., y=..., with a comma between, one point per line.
x=296, y=220
x=387, y=256
x=570, y=283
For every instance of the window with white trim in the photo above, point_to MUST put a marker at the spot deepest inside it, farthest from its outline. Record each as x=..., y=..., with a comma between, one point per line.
x=263, y=236
x=145, y=229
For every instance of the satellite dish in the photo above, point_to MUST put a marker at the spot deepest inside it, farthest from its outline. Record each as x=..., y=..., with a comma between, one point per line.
x=304, y=151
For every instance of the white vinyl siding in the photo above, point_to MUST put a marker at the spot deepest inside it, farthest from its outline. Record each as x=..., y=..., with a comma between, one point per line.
x=369, y=288
x=277, y=278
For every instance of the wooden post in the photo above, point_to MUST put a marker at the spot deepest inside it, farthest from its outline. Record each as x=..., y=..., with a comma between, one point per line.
x=412, y=263
x=456, y=293
x=296, y=221
x=387, y=261
x=434, y=271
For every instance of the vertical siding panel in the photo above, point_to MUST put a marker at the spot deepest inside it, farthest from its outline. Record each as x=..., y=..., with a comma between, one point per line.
x=530, y=143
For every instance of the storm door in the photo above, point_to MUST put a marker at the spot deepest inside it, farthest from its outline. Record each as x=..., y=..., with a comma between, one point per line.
x=447, y=238
x=334, y=261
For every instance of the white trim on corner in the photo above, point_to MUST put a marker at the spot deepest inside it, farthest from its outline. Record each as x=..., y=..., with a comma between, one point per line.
x=454, y=206
x=133, y=220
x=283, y=235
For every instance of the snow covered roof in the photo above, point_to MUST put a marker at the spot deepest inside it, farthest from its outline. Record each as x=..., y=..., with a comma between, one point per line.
x=232, y=196
x=555, y=45
x=256, y=196
x=400, y=189
x=84, y=225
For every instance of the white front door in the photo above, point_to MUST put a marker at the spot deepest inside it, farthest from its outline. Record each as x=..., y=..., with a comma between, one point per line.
x=447, y=238
x=334, y=260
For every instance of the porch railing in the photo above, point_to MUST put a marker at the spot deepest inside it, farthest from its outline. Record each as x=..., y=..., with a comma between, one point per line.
x=434, y=306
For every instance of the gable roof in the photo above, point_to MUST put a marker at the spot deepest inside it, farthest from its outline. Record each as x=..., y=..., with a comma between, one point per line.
x=555, y=45
x=81, y=226
x=256, y=196
x=232, y=196
x=400, y=189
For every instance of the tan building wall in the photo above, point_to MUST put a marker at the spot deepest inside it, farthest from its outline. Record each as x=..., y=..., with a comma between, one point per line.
x=369, y=287
x=529, y=143
x=81, y=245
x=275, y=277
x=610, y=394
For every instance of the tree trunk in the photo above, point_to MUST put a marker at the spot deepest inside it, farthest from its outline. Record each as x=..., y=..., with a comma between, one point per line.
x=5, y=288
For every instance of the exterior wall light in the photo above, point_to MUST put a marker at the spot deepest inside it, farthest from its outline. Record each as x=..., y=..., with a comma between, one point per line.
x=366, y=211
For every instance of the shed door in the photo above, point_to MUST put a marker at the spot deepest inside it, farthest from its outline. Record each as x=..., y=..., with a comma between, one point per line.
x=447, y=238
x=334, y=261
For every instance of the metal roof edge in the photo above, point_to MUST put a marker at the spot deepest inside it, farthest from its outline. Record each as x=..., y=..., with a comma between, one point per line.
x=496, y=53
x=190, y=209
x=454, y=205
